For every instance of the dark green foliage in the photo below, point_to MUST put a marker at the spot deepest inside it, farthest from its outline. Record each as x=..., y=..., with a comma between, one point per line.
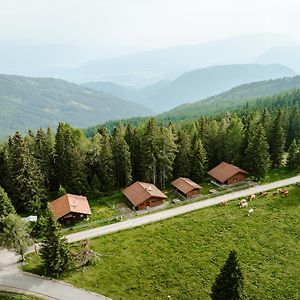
x=230, y=282
x=25, y=179
x=69, y=160
x=6, y=206
x=199, y=161
x=121, y=155
x=293, y=160
x=14, y=234
x=55, y=249
x=61, y=191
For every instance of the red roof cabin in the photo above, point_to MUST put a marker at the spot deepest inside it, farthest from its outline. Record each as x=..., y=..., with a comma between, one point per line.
x=68, y=208
x=143, y=195
x=225, y=173
x=186, y=187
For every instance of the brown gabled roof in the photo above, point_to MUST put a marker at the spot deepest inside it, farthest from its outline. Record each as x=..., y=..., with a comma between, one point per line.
x=185, y=185
x=139, y=192
x=224, y=171
x=70, y=203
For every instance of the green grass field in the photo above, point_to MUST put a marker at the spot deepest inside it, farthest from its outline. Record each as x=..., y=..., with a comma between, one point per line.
x=12, y=296
x=181, y=256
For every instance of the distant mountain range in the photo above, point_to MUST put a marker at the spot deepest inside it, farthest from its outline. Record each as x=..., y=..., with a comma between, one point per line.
x=232, y=99
x=194, y=85
x=40, y=102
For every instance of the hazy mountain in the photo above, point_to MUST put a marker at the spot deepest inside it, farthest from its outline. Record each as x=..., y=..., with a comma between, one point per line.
x=41, y=102
x=288, y=56
x=144, y=68
x=233, y=98
x=202, y=83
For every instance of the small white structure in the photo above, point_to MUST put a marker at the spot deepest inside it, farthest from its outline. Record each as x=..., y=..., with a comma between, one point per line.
x=30, y=219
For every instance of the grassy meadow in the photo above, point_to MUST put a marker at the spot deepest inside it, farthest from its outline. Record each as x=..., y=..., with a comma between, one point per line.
x=181, y=257
x=13, y=296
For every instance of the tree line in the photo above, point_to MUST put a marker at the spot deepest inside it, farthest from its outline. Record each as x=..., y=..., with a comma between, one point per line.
x=35, y=166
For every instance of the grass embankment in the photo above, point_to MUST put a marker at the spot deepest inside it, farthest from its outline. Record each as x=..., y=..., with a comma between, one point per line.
x=181, y=256
x=13, y=296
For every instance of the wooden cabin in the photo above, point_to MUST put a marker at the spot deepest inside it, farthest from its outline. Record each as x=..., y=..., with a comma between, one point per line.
x=186, y=187
x=69, y=208
x=143, y=195
x=225, y=173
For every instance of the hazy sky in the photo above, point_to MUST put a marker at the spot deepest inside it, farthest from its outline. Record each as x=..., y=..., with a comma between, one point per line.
x=131, y=25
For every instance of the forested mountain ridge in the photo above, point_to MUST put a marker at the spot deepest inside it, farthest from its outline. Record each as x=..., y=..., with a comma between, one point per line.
x=233, y=98
x=40, y=102
x=202, y=83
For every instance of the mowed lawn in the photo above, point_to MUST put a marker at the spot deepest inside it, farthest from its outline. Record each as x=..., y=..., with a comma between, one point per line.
x=181, y=257
x=12, y=296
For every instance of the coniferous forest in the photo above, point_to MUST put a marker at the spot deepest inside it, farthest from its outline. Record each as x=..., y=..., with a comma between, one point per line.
x=254, y=137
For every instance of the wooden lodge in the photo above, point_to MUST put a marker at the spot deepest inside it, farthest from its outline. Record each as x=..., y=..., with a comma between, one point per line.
x=225, y=173
x=69, y=208
x=143, y=195
x=186, y=187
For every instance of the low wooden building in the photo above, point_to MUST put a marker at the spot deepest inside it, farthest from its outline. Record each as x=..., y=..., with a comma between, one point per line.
x=70, y=208
x=186, y=187
x=225, y=173
x=143, y=195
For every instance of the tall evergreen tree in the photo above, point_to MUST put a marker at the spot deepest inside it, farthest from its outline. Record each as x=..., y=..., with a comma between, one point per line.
x=229, y=283
x=6, y=206
x=182, y=164
x=134, y=142
x=166, y=155
x=69, y=161
x=149, y=152
x=26, y=181
x=55, y=249
x=293, y=160
x=122, y=159
x=198, y=161
x=277, y=141
x=257, y=159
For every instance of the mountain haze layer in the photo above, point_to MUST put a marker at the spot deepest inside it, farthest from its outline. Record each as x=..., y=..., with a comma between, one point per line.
x=40, y=102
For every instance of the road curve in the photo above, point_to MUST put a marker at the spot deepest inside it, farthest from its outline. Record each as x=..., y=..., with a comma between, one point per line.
x=14, y=280
x=169, y=213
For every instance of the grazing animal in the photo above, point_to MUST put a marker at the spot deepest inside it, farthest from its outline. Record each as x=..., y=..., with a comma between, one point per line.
x=224, y=203
x=250, y=212
x=279, y=191
x=245, y=204
x=285, y=193
x=264, y=194
x=275, y=193
x=252, y=197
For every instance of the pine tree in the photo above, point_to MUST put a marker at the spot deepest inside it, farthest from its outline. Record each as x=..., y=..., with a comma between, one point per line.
x=55, y=249
x=293, y=160
x=134, y=142
x=257, y=159
x=233, y=143
x=26, y=182
x=69, y=161
x=182, y=164
x=198, y=161
x=166, y=154
x=277, y=141
x=149, y=152
x=121, y=155
x=230, y=282
x=6, y=206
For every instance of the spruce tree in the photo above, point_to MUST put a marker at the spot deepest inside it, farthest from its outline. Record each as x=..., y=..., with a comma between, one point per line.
x=230, y=282
x=55, y=251
x=182, y=163
x=6, y=206
x=293, y=160
x=198, y=161
x=26, y=182
x=257, y=159
x=277, y=141
x=121, y=155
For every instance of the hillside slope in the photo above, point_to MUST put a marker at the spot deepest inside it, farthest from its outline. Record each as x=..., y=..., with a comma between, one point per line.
x=40, y=102
x=233, y=98
x=206, y=82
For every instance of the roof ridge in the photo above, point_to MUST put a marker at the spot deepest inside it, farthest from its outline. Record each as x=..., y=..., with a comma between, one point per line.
x=140, y=183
